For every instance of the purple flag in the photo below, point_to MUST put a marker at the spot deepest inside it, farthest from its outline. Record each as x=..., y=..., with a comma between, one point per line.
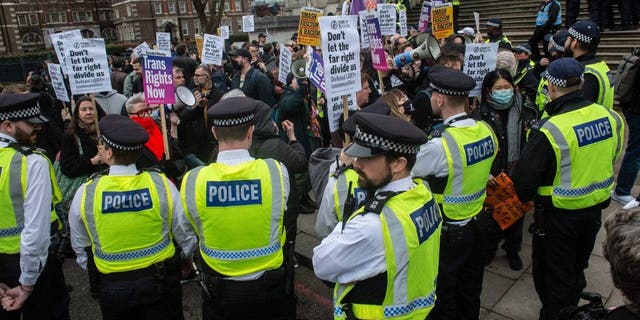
x=316, y=72
x=359, y=5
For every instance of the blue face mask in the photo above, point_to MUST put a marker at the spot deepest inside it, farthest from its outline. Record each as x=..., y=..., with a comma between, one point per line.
x=502, y=96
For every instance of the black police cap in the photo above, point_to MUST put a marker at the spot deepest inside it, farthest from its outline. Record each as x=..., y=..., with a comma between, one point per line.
x=450, y=82
x=585, y=31
x=21, y=106
x=378, y=107
x=231, y=112
x=122, y=133
x=377, y=134
x=565, y=72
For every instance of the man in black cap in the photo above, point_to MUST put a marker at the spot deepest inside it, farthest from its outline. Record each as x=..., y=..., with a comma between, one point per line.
x=582, y=44
x=456, y=162
x=262, y=39
x=32, y=281
x=236, y=206
x=524, y=78
x=250, y=80
x=383, y=258
x=585, y=139
x=123, y=229
x=494, y=31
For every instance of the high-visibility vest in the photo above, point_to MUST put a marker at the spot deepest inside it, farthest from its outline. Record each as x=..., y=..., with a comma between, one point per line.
x=586, y=143
x=411, y=225
x=542, y=97
x=543, y=15
x=502, y=39
x=13, y=187
x=341, y=190
x=129, y=229
x=470, y=153
x=237, y=212
x=605, y=82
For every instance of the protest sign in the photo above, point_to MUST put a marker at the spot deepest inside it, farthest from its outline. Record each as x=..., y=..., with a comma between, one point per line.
x=476, y=17
x=157, y=80
x=308, y=28
x=442, y=20
x=199, y=44
x=224, y=32
x=378, y=57
x=285, y=65
x=212, y=48
x=88, y=66
x=341, y=54
x=57, y=82
x=335, y=109
x=425, y=16
x=364, y=38
x=141, y=49
x=247, y=23
x=506, y=207
x=479, y=59
x=160, y=53
x=387, y=18
x=316, y=72
x=402, y=18
x=57, y=40
x=163, y=40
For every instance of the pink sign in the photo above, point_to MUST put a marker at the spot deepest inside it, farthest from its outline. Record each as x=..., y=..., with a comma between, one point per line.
x=378, y=56
x=158, y=80
x=425, y=16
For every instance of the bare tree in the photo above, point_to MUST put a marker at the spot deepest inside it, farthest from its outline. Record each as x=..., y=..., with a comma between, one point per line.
x=211, y=22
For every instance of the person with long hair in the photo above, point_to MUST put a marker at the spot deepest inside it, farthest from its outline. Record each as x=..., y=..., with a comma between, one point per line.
x=509, y=113
x=79, y=150
x=399, y=104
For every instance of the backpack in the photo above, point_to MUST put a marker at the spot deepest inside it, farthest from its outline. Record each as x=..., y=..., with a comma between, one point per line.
x=626, y=75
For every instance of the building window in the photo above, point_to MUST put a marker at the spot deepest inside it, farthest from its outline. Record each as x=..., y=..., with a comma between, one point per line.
x=157, y=7
x=172, y=7
x=117, y=12
x=55, y=17
x=182, y=5
x=22, y=19
x=31, y=39
x=128, y=10
x=227, y=6
x=185, y=29
x=33, y=19
x=196, y=26
x=238, y=5
x=102, y=15
x=81, y=16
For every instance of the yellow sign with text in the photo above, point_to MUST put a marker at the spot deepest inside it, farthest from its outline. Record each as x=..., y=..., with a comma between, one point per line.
x=442, y=20
x=309, y=28
x=199, y=41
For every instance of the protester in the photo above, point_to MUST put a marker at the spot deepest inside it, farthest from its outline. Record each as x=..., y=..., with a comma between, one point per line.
x=133, y=81
x=186, y=63
x=117, y=75
x=111, y=101
x=251, y=81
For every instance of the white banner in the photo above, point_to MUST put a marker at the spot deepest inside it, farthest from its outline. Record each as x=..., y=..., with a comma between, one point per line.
x=387, y=18
x=364, y=37
x=285, y=64
x=163, y=40
x=57, y=40
x=335, y=108
x=88, y=66
x=402, y=18
x=247, y=24
x=224, y=32
x=479, y=59
x=57, y=82
x=141, y=49
x=340, y=54
x=212, y=48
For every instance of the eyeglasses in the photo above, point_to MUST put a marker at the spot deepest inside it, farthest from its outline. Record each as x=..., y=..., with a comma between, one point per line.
x=143, y=113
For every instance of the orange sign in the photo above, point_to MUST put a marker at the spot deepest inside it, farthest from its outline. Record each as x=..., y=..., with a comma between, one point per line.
x=507, y=208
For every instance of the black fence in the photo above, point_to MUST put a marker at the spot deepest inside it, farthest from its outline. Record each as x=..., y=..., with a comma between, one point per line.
x=15, y=69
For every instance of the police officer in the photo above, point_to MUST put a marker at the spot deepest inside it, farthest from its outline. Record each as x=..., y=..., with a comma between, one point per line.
x=456, y=162
x=123, y=228
x=384, y=259
x=524, y=78
x=342, y=193
x=236, y=206
x=556, y=51
x=585, y=139
x=548, y=21
x=34, y=285
x=582, y=44
x=494, y=31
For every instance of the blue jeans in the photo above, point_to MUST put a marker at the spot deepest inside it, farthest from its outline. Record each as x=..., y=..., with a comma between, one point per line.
x=631, y=161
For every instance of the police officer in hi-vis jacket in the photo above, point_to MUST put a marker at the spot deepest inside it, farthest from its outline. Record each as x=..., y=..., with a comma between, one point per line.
x=567, y=167
x=124, y=227
x=236, y=206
